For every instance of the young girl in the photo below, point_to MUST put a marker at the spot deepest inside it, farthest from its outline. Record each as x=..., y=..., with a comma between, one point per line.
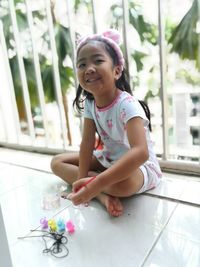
x=127, y=164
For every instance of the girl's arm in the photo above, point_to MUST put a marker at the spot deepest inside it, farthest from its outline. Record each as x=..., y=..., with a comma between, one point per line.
x=86, y=147
x=123, y=168
x=130, y=161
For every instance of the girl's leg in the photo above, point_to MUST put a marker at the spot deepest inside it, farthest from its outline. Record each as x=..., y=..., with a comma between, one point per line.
x=66, y=167
x=127, y=187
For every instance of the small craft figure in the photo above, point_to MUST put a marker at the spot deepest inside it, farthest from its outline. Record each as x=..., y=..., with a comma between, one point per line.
x=52, y=225
x=44, y=223
x=61, y=225
x=70, y=227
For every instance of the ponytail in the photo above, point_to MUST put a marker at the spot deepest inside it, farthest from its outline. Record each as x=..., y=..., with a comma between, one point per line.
x=147, y=112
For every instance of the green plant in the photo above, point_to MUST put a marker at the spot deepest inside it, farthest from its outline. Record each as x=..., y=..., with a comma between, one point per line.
x=185, y=39
x=63, y=46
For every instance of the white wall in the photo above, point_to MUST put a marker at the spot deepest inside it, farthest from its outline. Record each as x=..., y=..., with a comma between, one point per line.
x=5, y=259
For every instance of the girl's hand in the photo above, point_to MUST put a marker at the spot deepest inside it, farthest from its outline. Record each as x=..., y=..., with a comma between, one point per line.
x=83, y=194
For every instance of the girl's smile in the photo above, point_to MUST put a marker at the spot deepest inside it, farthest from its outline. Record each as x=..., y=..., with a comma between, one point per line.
x=92, y=80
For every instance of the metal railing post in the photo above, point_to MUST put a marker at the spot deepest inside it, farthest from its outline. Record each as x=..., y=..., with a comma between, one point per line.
x=125, y=23
x=10, y=82
x=56, y=74
x=94, y=16
x=22, y=72
x=37, y=71
x=163, y=91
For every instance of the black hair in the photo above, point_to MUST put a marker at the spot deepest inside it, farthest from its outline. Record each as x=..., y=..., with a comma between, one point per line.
x=122, y=83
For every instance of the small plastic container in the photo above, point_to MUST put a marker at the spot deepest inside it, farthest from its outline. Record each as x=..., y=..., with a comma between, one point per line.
x=50, y=201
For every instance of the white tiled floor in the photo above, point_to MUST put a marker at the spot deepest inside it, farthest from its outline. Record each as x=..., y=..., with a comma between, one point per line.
x=158, y=229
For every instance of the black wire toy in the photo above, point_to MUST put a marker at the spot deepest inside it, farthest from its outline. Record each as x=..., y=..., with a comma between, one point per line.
x=58, y=248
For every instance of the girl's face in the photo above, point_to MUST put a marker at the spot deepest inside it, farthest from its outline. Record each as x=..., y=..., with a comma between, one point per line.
x=95, y=70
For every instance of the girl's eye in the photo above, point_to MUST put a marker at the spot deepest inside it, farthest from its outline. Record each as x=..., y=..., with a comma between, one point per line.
x=81, y=66
x=99, y=61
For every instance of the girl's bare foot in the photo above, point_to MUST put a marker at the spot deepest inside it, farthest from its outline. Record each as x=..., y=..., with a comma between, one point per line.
x=112, y=204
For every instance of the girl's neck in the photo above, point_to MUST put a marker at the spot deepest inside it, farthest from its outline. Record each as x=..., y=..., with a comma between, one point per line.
x=104, y=101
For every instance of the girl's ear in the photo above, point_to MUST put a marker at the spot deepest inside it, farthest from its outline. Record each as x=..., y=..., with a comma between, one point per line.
x=118, y=72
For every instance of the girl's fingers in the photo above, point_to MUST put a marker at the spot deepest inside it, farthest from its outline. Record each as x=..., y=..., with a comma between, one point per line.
x=77, y=185
x=80, y=192
x=78, y=198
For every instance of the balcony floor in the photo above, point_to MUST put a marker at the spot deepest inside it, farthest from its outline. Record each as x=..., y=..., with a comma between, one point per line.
x=159, y=228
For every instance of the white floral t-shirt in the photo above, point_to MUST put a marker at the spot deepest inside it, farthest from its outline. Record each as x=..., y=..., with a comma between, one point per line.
x=111, y=125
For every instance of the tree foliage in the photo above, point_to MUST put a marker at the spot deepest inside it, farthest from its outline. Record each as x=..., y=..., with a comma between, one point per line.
x=185, y=39
x=63, y=48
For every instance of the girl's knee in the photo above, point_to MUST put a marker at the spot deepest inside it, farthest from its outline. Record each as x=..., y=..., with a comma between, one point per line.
x=58, y=160
x=55, y=162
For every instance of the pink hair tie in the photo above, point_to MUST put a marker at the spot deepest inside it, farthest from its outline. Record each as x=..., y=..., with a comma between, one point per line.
x=111, y=37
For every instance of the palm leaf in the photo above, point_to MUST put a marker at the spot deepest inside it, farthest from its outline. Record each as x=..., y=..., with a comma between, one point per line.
x=138, y=57
x=145, y=30
x=48, y=82
x=63, y=44
x=185, y=39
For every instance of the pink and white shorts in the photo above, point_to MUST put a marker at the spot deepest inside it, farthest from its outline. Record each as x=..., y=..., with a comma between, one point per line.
x=152, y=177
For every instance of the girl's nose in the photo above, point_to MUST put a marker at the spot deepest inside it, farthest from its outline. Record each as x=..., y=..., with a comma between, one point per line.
x=90, y=69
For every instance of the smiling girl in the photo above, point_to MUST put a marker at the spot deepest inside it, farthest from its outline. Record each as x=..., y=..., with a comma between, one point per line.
x=127, y=164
